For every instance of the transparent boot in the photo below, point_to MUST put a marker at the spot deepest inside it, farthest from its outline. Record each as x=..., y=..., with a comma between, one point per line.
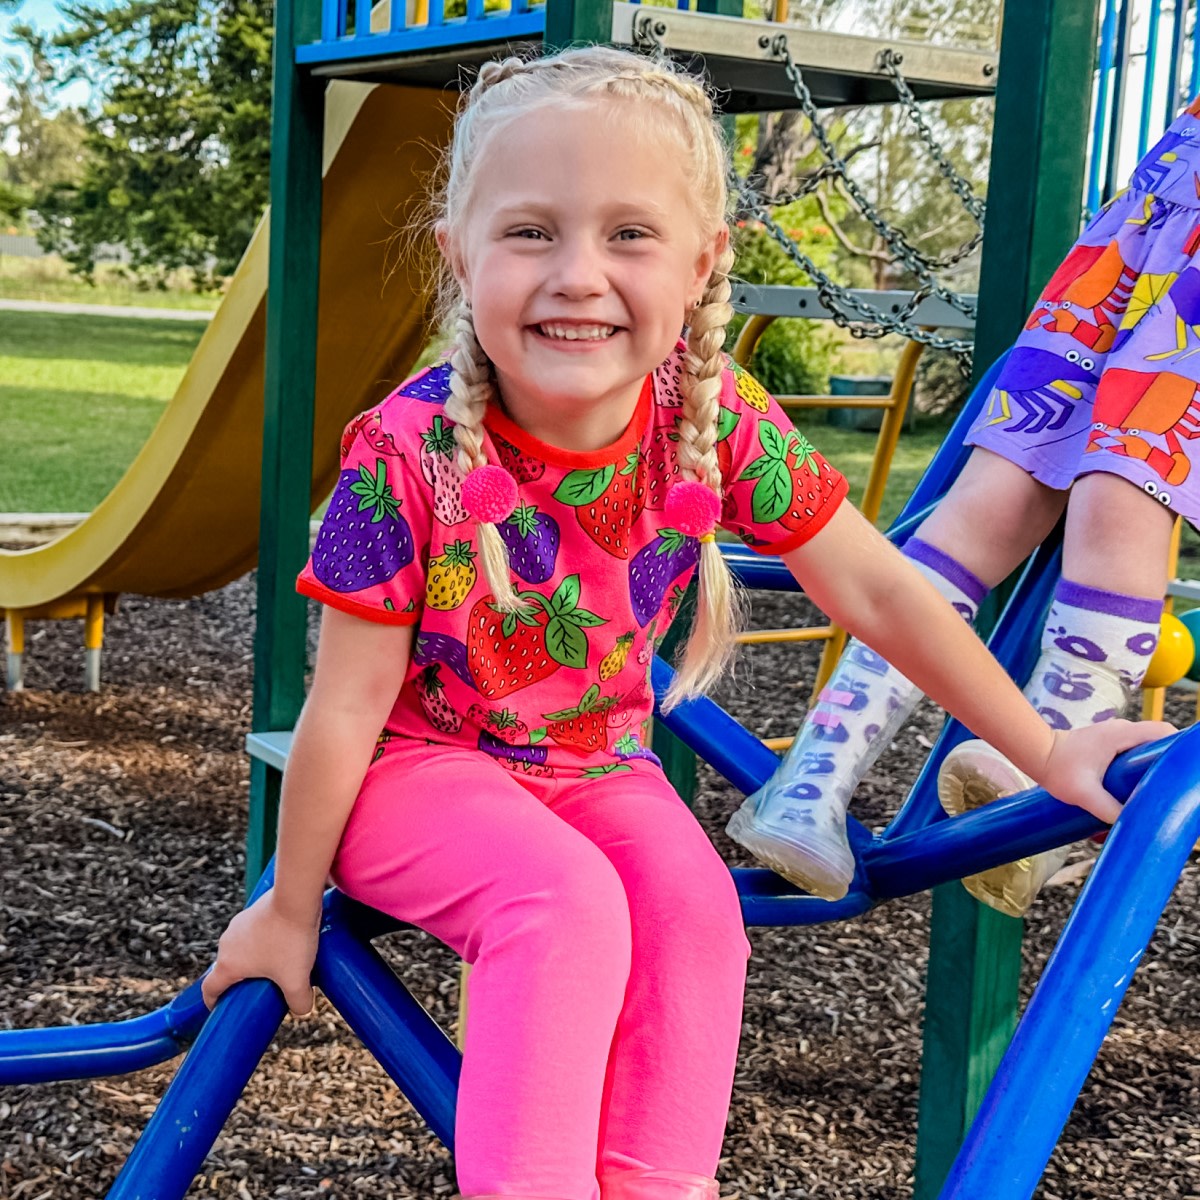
x=646, y=1184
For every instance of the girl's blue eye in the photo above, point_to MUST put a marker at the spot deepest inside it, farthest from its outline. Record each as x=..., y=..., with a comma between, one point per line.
x=631, y=234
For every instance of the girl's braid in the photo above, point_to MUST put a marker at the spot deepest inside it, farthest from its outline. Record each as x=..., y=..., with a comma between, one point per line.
x=471, y=388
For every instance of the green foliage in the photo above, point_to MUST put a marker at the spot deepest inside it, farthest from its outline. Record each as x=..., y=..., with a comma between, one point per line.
x=793, y=357
x=178, y=153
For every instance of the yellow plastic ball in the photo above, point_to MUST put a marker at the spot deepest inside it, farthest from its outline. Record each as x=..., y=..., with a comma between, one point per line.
x=1175, y=654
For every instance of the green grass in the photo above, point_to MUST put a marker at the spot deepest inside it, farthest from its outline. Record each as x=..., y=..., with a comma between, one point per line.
x=49, y=279
x=78, y=397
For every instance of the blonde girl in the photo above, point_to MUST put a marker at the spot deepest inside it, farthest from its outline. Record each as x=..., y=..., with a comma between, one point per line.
x=510, y=536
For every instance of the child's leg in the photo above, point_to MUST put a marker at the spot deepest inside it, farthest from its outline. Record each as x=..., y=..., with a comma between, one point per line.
x=1099, y=637
x=451, y=842
x=670, y=1072
x=796, y=823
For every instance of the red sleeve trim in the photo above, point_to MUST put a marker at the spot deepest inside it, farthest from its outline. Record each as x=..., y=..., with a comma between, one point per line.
x=814, y=525
x=380, y=616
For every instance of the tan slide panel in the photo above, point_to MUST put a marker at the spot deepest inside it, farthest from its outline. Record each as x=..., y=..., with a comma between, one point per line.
x=184, y=517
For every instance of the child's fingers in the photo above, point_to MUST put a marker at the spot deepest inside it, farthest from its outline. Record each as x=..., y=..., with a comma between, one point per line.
x=300, y=998
x=218, y=981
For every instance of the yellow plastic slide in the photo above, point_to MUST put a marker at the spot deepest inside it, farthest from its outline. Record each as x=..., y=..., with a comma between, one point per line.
x=184, y=518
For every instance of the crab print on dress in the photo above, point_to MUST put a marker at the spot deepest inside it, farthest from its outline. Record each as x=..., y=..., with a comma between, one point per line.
x=560, y=688
x=1106, y=375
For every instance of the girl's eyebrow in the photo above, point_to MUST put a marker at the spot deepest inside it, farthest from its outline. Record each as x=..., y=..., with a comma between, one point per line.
x=620, y=210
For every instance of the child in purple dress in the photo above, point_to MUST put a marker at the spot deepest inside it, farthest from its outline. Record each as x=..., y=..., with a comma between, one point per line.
x=1096, y=412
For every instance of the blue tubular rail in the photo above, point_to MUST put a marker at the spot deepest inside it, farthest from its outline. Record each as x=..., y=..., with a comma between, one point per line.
x=1012, y=1137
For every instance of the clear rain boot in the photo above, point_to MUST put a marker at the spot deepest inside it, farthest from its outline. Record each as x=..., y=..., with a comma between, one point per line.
x=648, y=1184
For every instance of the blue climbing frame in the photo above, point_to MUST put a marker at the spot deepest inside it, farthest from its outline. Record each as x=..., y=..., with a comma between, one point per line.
x=1009, y=1142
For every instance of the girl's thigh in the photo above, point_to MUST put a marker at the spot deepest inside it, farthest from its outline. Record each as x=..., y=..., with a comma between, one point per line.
x=446, y=839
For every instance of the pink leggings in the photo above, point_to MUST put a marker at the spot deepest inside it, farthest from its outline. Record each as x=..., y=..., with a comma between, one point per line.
x=609, y=960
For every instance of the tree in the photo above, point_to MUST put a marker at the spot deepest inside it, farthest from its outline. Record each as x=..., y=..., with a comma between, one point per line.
x=178, y=147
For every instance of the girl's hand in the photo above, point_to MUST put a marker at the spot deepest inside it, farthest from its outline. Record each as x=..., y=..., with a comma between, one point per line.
x=263, y=943
x=1078, y=759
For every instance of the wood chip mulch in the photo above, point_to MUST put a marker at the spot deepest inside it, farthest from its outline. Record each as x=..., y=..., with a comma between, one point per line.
x=122, y=820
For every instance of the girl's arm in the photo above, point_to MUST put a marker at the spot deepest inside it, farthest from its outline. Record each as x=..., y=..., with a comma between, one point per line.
x=359, y=668
x=864, y=584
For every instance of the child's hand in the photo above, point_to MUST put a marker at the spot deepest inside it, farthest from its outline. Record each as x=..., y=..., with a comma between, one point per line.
x=1075, y=768
x=263, y=943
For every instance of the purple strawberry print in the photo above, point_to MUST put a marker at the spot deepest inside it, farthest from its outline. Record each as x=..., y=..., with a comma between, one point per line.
x=529, y=760
x=532, y=539
x=364, y=541
x=441, y=647
x=433, y=385
x=655, y=567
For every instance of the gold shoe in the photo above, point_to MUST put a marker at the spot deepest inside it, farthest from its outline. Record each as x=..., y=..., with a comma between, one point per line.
x=975, y=774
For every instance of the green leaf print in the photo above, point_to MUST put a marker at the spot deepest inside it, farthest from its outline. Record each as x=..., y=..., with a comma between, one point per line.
x=584, y=486
x=727, y=421
x=771, y=439
x=806, y=453
x=606, y=769
x=567, y=644
x=772, y=494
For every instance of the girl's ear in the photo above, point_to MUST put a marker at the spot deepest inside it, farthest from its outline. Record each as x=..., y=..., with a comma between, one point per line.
x=711, y=250
x=450, y=252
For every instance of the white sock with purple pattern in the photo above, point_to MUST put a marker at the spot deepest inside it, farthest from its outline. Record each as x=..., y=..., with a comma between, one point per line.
x=1095, y=650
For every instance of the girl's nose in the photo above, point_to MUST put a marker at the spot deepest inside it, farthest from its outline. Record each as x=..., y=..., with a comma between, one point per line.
x=579, y=269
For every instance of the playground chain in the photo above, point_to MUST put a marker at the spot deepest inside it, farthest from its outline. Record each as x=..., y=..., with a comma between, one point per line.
x=121, y=835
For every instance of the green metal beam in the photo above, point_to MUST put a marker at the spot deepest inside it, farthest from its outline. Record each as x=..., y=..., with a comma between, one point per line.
x=1047, y=55
x=297, y=129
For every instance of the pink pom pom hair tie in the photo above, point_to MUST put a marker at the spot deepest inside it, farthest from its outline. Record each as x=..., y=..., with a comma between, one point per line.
x=693, y=509
x=489, y=494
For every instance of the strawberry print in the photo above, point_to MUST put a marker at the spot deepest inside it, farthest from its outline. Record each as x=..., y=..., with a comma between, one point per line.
x=750, y=390
x=381, y=744
x=655, y=567
x=502, y=725
x=524, y=468
x=582, y=729
x=441, y=647
x=629, y=747
x=510, y=651
x=451, y=577
x=364, y=540
x=370, y=426
x=532, y=538
x=668, y=382
x=524, y=760
x=432, y=385
x=607, y=501
x=661, y=464
x=438, y=449
x=790, y=480
x=437, y=708
x=614, y=661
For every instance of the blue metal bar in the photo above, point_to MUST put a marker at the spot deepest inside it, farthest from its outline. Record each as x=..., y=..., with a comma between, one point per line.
x=475, y=10
x=1096, y=167
x=1013, y=1136
x=202, y=1095
x=410, y=1047
x=111, y=1048
x=362, y=18
x=1148, y=80
x=437, y=14
x=398, y=16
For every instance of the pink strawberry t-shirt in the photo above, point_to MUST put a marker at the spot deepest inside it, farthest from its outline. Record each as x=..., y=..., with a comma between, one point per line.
x=563, y=687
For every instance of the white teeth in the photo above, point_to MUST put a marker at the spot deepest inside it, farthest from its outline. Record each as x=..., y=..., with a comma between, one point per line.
x=577, y=333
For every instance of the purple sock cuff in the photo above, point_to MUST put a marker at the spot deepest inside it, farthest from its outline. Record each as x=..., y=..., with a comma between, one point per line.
x=1113, y=604
x=948, y=568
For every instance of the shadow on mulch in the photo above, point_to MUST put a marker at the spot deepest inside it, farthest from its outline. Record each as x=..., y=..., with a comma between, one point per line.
x=122, y=821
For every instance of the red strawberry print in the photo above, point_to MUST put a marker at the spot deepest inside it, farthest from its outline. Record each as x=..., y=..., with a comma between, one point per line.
x=668, y=383
x=510, y=651
x=582, y=729
x=524, y=468
x=607, y=501
x=502, y=725
x=370, y=426
x=364, y=540
x=790, y=478
x=661, y=465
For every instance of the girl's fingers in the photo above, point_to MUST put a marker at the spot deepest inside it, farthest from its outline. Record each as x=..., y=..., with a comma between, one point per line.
x=219, y=980
x=300, y=999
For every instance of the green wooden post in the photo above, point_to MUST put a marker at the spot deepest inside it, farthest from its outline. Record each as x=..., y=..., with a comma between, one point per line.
x=1047, y=56
x=577, y=23
x=297, y=127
